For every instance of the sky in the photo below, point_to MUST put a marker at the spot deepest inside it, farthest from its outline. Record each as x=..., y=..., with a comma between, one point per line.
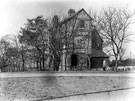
x=13, y=13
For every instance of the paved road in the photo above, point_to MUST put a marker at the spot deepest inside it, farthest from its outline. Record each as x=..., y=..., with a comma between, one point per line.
x=42, y=74
x=120, y=95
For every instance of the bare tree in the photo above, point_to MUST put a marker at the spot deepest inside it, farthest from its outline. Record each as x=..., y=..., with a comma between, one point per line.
x=4, y=45
x=11, y=52
x=113, y=25
x=55, y=43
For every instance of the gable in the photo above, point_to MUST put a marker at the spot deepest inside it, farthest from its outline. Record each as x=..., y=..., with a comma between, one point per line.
x=83, y=15
x=80, y=14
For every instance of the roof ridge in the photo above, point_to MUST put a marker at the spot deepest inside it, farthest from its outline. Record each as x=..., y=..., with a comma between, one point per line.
x=68, y=18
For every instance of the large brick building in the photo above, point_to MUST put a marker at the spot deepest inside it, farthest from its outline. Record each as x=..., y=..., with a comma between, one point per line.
x=82, y=44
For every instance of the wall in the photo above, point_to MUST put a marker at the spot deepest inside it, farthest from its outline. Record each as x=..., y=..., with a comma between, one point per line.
x=79, y=40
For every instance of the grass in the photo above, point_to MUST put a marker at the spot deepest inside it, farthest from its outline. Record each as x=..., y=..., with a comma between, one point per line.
x=48, y=87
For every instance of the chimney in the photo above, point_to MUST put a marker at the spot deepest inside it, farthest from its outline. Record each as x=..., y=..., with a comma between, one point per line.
x=71, y=12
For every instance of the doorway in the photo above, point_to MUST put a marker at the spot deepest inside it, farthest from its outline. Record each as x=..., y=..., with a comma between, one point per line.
x=74, y=61
x=96, y=62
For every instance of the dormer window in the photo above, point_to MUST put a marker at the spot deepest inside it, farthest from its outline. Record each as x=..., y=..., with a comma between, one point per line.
x=82, y=24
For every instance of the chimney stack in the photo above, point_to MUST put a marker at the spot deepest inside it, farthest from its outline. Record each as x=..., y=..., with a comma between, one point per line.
x=71, y=12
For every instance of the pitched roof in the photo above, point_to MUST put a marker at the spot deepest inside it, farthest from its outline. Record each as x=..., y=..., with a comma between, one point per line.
x=98, y=53
x=94, y=30
x=69, y=18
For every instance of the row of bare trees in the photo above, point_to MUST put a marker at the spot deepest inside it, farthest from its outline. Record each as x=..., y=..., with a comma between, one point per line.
x=114, y=24
x=33, y=48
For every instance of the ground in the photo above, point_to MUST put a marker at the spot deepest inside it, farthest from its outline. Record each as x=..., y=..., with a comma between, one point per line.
x=48, y=87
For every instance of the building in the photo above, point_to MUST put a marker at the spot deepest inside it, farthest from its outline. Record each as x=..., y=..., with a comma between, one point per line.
x=81, y=43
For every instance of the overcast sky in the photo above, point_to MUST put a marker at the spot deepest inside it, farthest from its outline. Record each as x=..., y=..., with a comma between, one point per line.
x=13, y=13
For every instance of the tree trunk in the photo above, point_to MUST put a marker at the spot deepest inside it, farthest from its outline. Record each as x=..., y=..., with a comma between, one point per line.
x=37, y=64
x=40, y=64
x=116, y=62
x=23, y=65
x=65, y=62
x=56, y=62
x=88, y=63
x=23, y=62
x=43, y=61
x=50, y=61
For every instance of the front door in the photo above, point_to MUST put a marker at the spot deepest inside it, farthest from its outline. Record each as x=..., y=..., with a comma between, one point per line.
x=74, y=61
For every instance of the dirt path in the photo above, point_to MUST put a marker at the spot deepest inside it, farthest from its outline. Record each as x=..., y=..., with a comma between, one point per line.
x=118, y=95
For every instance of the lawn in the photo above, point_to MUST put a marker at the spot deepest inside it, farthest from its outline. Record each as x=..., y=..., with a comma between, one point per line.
x=29, y=88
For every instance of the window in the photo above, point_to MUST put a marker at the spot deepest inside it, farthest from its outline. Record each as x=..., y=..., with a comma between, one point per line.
x=82, y=24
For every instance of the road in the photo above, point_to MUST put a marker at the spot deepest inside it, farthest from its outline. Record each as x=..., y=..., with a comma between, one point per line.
x=119, y=95
x=75, y=73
